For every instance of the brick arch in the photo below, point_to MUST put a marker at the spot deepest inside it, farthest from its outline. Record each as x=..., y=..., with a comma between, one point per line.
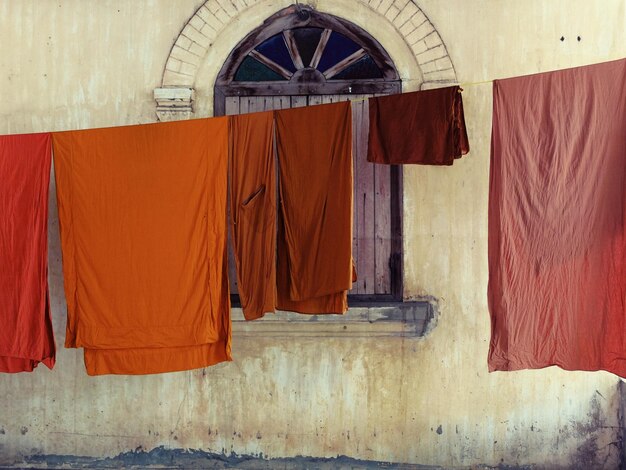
x=176, y=94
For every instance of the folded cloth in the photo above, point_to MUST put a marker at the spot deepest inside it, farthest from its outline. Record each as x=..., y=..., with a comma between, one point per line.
x=422, y=127
x=26, y=336
x=142, y=213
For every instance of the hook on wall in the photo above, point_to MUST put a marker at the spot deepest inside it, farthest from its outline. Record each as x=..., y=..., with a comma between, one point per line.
x=303, y=12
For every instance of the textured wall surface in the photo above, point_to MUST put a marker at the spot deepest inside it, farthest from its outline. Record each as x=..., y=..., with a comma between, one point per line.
x=70, y=64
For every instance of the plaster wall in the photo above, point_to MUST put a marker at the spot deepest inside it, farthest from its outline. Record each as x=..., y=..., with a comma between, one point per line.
x=71, y=64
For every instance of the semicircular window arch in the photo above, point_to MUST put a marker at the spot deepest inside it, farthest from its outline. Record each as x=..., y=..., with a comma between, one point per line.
x=307, y=54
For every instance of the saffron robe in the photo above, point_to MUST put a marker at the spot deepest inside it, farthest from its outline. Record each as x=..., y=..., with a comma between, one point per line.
x=142, y=213
x=252, y=172
x=314, y=146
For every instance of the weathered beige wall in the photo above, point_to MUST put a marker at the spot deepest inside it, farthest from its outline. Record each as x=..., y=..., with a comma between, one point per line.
x=70, y=64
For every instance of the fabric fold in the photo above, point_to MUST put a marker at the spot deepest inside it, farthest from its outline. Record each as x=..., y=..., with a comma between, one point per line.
x=142, y=214
x=252, y=172
x=422, y=127
x=314, y=146
x=557, y=199
x=26, y=336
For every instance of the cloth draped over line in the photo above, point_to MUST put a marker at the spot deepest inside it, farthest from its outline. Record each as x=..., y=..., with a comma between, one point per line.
x=557, y=245
x=142, y=212
x=26, y=336
x=252, y=172
x=315, y=268
x=422, y=127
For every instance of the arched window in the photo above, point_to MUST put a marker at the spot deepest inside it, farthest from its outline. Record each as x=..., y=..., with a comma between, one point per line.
x=307, y=55
x=301, y=57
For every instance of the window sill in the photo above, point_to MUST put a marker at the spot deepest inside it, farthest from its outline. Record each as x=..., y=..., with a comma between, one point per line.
x=388, y=319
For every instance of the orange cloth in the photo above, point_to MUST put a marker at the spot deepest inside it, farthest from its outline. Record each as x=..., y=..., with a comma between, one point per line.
x=253, y=210
x=143, y=232
x=26, y=337
x=315, y=224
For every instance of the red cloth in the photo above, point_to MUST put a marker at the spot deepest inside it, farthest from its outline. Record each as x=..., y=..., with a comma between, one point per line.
x=557, y=270
x=26, y=337
x=423, y=127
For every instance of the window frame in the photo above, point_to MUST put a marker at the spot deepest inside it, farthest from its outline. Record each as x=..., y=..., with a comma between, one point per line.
x=303, y=16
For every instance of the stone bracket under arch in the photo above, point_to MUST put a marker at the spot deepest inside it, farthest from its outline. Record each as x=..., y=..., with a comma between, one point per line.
x=174, y=102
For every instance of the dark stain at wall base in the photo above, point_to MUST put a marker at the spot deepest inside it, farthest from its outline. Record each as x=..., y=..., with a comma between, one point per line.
x=196, y=459
x=587, y=456
x=600, y=440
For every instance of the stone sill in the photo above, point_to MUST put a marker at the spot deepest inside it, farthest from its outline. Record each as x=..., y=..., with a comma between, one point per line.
x=392, y=319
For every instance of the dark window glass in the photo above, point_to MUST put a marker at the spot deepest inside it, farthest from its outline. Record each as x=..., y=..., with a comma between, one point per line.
x=362, y=69
x=307, y=40
x=251, y=70
x=275, y=49
x=338, y=48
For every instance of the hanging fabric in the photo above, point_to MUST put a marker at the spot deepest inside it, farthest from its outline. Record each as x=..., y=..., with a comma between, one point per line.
x=314, y=146
x=142, y=212
x=253, y=210
x=422, y=127
x=26, y=336
x=557, y=246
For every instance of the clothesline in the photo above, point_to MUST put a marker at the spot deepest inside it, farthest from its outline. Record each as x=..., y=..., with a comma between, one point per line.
x=462, y=85
x=404, y=80
x=171, y=309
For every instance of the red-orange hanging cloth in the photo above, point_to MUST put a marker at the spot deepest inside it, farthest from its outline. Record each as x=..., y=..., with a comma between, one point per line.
x=557, y=208
x=314, y=147
x=26, y=336
x=423, y=127
x=253, y=210
x=142, y=211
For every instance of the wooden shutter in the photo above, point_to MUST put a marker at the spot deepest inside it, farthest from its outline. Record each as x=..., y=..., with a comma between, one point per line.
x=372, y=235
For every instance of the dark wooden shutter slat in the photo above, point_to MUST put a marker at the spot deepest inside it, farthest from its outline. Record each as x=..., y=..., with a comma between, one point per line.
x=315, y=99
x=299, y=101
x=382, y=228
x=356, y=112
x=364, y=204
x=232, y=107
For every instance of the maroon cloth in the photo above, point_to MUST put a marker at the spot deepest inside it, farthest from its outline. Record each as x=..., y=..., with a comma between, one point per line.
x=423, y=127
x=26, y=337
x=557, y=271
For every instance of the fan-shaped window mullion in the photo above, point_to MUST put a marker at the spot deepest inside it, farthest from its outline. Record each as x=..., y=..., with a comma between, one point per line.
x=330, y=54
x=279, y=69
x=290, y=41
x=321, y=46
x=345, y=63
